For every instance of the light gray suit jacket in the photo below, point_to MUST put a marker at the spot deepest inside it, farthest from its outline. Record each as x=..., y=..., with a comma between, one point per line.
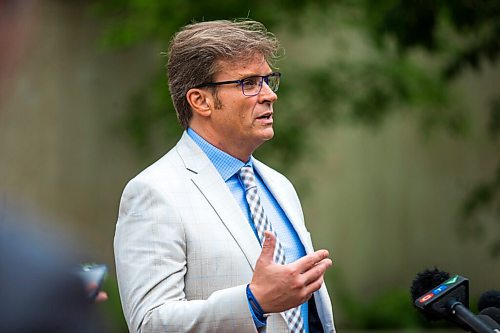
x=185, y=252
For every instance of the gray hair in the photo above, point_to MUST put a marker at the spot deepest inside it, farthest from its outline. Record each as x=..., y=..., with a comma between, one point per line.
x=196, y=50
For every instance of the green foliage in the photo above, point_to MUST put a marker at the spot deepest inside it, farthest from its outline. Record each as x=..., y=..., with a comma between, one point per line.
x=389, y=310
x=410, y=53
x=362, y=90
x=476, y=24
x=420, y=24
x=134, y=21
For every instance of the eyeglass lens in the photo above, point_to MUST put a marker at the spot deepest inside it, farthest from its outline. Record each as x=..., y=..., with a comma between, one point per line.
x=253, y=85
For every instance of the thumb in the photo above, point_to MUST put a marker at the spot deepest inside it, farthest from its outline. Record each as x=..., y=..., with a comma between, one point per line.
x=267, y=253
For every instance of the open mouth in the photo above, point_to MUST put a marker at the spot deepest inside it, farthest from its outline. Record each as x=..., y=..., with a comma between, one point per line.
x=265, y=116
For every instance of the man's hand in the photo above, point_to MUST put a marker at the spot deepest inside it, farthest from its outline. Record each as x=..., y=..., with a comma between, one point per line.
x=281, y=287
x=101, y=296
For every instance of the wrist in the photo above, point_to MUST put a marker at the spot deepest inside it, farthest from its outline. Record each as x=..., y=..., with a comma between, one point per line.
x=254, y=302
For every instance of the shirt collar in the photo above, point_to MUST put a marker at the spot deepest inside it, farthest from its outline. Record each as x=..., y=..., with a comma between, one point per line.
x=225, y=164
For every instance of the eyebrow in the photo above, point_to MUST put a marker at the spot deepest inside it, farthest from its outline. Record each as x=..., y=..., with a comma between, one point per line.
x=241, y=77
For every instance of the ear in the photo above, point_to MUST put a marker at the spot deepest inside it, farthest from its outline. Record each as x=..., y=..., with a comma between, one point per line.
x=200, y=101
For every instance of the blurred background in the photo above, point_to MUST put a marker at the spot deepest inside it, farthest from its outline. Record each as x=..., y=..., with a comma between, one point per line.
x=388, y=123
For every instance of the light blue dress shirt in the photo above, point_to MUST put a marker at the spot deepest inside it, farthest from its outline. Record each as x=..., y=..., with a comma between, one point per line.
x=229, y=167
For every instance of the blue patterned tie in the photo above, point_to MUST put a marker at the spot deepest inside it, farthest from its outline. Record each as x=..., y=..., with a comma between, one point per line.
x=293, y=316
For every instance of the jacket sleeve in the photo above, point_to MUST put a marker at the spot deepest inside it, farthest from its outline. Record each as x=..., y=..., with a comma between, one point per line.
x=150, y=254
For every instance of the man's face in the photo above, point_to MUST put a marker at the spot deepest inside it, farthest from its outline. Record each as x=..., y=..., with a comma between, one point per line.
x=240, y=121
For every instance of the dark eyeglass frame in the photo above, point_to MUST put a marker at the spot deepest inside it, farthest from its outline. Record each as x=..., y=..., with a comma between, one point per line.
x=263, y=78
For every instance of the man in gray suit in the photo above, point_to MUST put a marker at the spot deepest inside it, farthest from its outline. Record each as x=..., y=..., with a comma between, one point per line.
x=208, y=238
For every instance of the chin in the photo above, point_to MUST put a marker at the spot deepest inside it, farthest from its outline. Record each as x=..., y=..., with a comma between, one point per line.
x=267, y=134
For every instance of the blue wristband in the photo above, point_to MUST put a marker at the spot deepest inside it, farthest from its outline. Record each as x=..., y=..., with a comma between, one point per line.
x=257, y=312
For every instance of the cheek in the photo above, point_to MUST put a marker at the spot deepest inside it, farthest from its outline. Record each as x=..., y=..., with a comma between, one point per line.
x=240, y=114
x=247, y=122
x=247, y=112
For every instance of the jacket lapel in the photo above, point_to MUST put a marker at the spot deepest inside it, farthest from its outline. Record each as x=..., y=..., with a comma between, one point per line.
x=209, y=182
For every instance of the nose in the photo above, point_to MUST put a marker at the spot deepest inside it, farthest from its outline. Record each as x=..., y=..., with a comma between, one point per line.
x=267, y=94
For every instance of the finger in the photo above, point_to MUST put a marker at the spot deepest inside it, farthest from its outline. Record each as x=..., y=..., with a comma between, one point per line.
x=267, y=254
x=316, y=272
x=307, y=262
x=101, y=297
x=314, y=286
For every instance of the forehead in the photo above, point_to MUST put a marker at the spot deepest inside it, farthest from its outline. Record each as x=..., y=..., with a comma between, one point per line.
x=240, y=68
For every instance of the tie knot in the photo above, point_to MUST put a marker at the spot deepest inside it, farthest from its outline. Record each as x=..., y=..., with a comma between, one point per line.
x=247, y=177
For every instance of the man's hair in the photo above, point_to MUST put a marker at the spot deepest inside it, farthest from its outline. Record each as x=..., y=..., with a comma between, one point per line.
x=197, y=49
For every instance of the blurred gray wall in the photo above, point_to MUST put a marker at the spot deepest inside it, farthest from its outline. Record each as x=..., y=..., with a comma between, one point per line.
x=385, y=203
x=62, y=148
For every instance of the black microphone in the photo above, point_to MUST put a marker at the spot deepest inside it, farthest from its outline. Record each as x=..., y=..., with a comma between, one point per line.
x=488, y=299
x=493, y=313
x=446, y=298
x=489, y=305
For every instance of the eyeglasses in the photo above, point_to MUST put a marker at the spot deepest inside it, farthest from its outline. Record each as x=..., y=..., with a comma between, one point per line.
x=252, y=85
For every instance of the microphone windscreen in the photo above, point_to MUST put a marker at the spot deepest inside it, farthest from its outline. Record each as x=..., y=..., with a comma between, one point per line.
x=489, y=299
x=426, y=280
x=492, y=312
